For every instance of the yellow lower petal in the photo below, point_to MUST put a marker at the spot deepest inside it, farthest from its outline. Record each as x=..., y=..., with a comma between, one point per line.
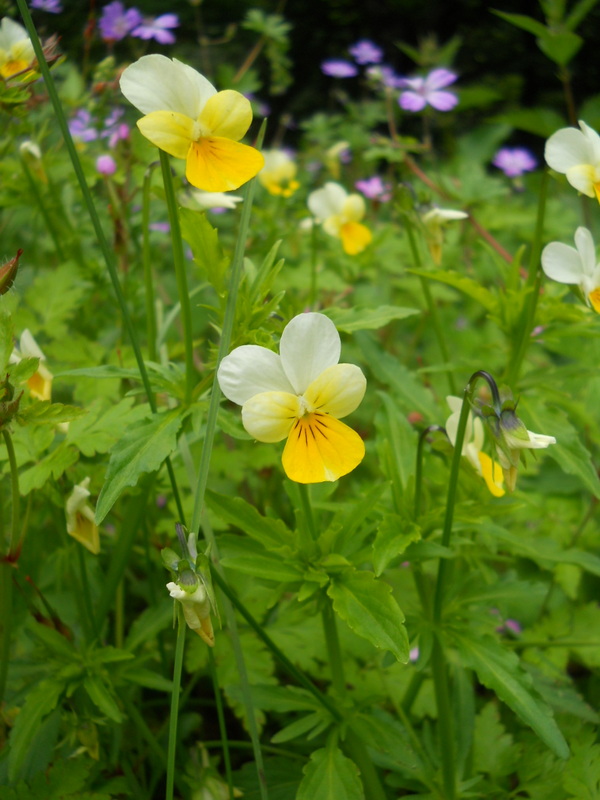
x=12, y=67
x=40, y=385
x=321, y=448
x=169, y=131
x=492, y=474
x=355, y=237
x=86, y=533
x=220, y=165
x=594, y=298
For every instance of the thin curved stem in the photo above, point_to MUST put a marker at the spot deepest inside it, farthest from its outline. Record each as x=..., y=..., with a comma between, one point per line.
x=174, y=714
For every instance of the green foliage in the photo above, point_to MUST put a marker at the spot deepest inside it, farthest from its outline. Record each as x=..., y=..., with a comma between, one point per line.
x=330, y=776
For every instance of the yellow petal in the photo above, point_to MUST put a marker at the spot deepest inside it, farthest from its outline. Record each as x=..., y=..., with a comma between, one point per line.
x=594, y=298
x=220, y=165
x=86, y=532
x=321, y=448
x=13, y=66
x=355, y=237
x=492, y=474
x=226, y=114
x=169, y=131
x=268, y=416
x=199, y=624
x=338, y=390
x=40, y=383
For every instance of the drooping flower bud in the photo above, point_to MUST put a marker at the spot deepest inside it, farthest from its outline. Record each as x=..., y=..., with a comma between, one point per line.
x=8, y=273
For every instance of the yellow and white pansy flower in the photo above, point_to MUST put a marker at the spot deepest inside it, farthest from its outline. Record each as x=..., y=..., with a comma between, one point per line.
x=186, y=117
x=487, y=468
x=513, y=439
x=340, y=213
x=40, y=383
x=435, y=220
x=196, y=609
x=575, y=265
x=576, y=154
x=300, y=394
x=278, y=175
x=16, y=50
x=80, y=517
x=204, y=201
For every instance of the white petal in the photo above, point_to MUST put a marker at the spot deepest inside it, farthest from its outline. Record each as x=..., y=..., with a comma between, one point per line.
x=158, y=83
x=583, y=177
x=562, y=263
x=309, y=344
x=586, y=249
x=327, y=201
x=567, y=148
x=11, y=33
x=250, y=370
x=593, y=140
x=29, y=347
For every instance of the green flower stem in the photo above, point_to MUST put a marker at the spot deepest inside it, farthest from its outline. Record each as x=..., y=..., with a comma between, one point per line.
x=180, y=275
x=221, y=717
x=441, y=685
x=334, y=651
x=532, y=290
x=360, y=755
x=174, y=715
x=224, y=344
x=7, y=565
x=148, y=277
x=15, y=519
x=431, y=306
x=419, y=466
x=88, y=615
x=412, y=690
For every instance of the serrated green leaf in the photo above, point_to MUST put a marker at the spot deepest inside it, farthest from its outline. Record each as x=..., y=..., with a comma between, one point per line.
x=494, y=751
x=582, y=773
x=53, y=465
x=102, y=697
x=22, y=370
x=56, y=643
x=329, y=775
x=150, y=623
x=366, y=604
x=143, y=448
x=350, y=320
x=147, y=678
x=301, y=726
x=41, y=700
x=464, y=284
x=394, y=535
x=46, y=413
x=249, y=557
x=273, y=534
x=98, y=431
x=204, y=242
x=500, y=670
x=384, y=734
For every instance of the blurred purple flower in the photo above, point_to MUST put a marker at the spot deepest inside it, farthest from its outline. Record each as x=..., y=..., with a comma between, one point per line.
x=413, y=654
x=106, y=165
x=366, y=52
x=338, y=68
x=157, y=28
x=115, y=23
x=52, y=6
x=114, y=130
x=514, y=161
x=374, y=188
x=162, y=227
x=82, y=126
x=426, y=91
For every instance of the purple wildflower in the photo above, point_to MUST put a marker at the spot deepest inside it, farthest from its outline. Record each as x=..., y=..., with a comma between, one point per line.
x=375, y=189
x=114, y=130
x=82, y=126
x=115, y=22
x=157, y=28
x=366, y=52
x=162, y=227
x=514, y=161
x=338, y=68
x=426, y=91
x=106, y=165
x=52, y=6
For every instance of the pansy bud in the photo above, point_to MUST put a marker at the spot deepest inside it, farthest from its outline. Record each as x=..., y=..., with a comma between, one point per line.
x=8, y=273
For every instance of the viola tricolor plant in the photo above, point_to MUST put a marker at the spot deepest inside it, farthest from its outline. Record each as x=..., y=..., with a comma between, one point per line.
x=299, y=436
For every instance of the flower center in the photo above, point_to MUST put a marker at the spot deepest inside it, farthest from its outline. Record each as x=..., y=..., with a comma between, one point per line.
x=304, y=407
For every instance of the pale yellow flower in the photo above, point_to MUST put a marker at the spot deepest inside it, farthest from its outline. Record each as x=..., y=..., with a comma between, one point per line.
x=16, y=50
x=489, y=470
x=80, y=518
x=40, y=383
x=340, y=213
x=278, y=175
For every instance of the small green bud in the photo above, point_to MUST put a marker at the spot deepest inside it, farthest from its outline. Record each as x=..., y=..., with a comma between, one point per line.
x=8, y=273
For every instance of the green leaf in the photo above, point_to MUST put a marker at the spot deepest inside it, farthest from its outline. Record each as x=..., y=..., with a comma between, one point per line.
x=539, y=121
x=46, y=413
x=410, y=394
x=101, y=428
x=6, y=339
x=397, y=443
x=150, y=623
x=204, y=242
x=52, y=465
x=273, y=534
x=384, y=734
x=249, y=557
x=41, y=700
x=464, y=284
x=350, y=320
x=22, y=370
x=102, y=697
x=500, y=670
x=302, y=726
x=147, y=678
x=560, y=46
x=368, y=607
x=582, y=772
x=494, y=751
x=143, y=448
x=329, y=775
x=394, y=535
x=521, y=21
